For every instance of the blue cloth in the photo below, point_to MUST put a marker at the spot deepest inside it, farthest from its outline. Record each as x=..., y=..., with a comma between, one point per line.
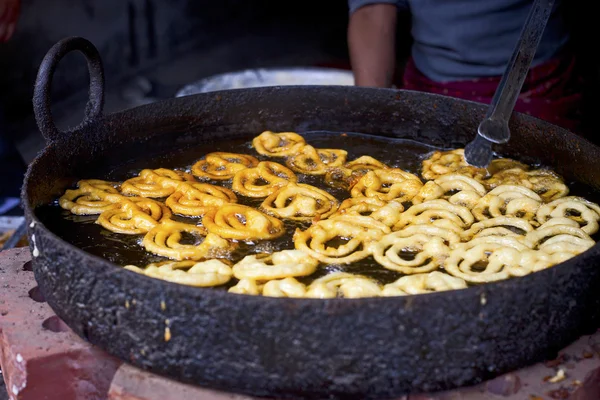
x=465, y=39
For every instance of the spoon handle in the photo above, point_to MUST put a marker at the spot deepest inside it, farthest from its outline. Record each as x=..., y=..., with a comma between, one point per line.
x=510, y=85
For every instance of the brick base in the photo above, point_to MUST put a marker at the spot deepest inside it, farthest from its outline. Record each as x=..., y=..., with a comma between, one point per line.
x=41, y=358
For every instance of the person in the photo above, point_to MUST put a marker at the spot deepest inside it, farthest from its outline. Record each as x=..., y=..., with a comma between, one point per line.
x=460, y=48
x=11, y=162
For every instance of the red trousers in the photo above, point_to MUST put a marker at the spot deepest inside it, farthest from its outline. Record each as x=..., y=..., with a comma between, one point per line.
x=552, y=91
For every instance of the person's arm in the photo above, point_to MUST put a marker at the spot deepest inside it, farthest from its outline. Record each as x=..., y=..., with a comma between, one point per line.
x=9, y=14
x=372, y=44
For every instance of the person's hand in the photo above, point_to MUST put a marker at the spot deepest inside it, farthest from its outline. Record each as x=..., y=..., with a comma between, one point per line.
x=9, y=14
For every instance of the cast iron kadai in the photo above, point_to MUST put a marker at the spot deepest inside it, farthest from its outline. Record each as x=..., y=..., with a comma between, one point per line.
x=300, y=348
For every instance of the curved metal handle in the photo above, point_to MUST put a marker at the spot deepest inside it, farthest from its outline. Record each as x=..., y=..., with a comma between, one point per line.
x=43, y=85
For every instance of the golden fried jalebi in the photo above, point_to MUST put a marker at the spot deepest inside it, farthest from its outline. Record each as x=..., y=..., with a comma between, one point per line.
x=196, y=199
x=360, y=206
x=353, y=234
x=165, y=239
x=341, y=284
x=281, y=144
x=234, y=221
x=508, y=200
x=415, y=249
x=134, y=216
x=447, y=162
x=311, y=161
x=155, y=183
x=365, y=164
x=580, y=210
x=388, y=184
x=453, y=162
x=92, y=197
x=287, y=287
x=488, y=259
x=435, y=281
x=262, y=180
x=501, y=171
x=434, y=210
x=221, y=166
x=191, y=273
x=278, y=265
x=300, y=202
x=347, y=175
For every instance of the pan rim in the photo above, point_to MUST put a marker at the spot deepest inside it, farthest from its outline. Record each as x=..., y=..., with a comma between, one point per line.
x=520, y=118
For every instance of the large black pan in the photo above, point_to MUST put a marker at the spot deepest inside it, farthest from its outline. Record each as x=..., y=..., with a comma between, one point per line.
x=299, y=348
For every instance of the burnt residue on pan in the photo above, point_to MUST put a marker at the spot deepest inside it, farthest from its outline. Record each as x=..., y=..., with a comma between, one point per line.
x=82, y=231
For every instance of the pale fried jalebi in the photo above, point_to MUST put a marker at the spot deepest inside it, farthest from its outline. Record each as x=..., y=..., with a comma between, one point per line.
x=277, y=265
x=196, y=199
x=287, y=287
x=134, y=216
x=388, y=184
x=92, y=197
x=300, y=202
x=165, y=239
x=340, y=284
x=548, y=237
x=508, y=200
x=234, y=221
x=360, y=206
x=584, y=212
x=429, y=191
x=281, y=144
x=155, y=183
x=221, y=166
x=191, y=273
x=415, y=249
x=379, y=210
x=311, y=161
x=499, y=226
x=433, y=211
x=435, y=281
x=353, y=234
x=247, y=286
x=488, y=259
x=460, y=190
x=262, y=180
x=546, y=183
x=457, y=189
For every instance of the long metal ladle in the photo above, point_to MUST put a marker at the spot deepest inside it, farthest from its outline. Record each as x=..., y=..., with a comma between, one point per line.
x=494, y=127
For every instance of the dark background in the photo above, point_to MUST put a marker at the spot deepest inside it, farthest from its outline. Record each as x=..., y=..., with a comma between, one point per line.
x=176, y=42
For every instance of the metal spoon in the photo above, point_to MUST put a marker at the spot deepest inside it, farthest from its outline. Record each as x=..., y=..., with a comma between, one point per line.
x=494, y=128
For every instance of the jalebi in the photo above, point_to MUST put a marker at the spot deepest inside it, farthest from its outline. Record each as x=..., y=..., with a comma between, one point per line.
x=222, y=166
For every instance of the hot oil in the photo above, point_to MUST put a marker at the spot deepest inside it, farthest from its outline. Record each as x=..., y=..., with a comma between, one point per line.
x=83, y=232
